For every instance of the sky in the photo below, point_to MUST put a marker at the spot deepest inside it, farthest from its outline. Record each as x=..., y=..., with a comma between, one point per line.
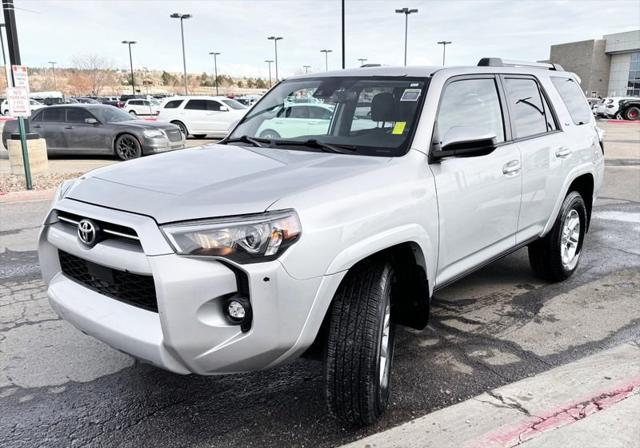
x=58, y=30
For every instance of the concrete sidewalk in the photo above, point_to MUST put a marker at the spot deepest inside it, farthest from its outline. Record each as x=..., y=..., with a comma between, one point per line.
x=593, y=402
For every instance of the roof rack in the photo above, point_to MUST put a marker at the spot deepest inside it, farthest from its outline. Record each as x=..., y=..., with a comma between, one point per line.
x=498, y=62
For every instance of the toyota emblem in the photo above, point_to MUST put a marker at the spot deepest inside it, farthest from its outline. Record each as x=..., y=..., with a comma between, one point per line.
x=87, y=232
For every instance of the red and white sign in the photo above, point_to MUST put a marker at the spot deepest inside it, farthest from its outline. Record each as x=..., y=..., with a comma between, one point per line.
x=18, y=99
x=20, y=76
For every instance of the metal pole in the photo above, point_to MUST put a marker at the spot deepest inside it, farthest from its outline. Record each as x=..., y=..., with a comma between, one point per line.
x=343, y=39
x=275, y=42
x=14, y=58
x=133, y=81
x=406, y=27
x=269, y=61
x=53, y=72
x=444, y=44
x=184, y=58
x=215, y=70
x=326, y=61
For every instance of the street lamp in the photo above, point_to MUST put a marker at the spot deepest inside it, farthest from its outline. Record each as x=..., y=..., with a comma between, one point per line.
x=269, y=61
x=406, y=12
x=444, y=44
x=133, y=82
x=362, y=60
x=182, y=17
x=275, y=40
x=215, y=68
x=326, y=59
x=53, y=72
x=306, y=68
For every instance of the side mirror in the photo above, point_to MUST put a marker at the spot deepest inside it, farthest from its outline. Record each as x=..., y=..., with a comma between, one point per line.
x=224, y=109
x=464, y=141
x=91, y=121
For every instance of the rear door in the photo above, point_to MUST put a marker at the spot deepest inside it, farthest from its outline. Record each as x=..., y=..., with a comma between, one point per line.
x=49, y=124
x=478, y=197
x=195, y=116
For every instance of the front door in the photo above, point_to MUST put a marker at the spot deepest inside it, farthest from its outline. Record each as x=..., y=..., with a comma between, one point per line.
x=478, y=197
x=84, y=137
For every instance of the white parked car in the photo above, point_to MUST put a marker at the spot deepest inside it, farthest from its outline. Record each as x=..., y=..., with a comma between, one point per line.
x=137, y=106
x=35, y=105
x=610, y=106
x=202, y=115
x=239, y=256
x=292, y=120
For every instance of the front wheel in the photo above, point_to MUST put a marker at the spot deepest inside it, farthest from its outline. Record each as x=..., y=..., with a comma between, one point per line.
x=555, y=257
x=360, y=342
x=270, y=134
x=133, y=113
x=128, y=147
x=633, y=113
x=200, y=136
x=182, y=127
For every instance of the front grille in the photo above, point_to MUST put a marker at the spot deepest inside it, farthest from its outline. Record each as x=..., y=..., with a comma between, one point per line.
x=109, y=229
x=134, y=289
x=174, y=135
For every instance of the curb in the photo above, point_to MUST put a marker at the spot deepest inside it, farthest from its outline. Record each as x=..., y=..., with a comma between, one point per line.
x=26, y=196
x=623, y=122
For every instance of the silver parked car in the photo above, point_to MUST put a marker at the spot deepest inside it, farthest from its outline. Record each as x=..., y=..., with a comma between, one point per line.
x=99, y=129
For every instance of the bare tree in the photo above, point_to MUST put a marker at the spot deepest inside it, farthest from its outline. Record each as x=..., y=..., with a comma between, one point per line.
x=99, y=70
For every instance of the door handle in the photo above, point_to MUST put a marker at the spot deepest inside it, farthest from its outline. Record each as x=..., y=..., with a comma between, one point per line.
x=511, y=168
x=563, y=152
x=36, y=126
x=68, y=127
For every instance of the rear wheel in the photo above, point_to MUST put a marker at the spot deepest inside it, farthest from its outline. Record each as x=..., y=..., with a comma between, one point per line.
x=555, y=257
x=128, y=147
x=360, y=342
x=270, y=134
x=133, y=113
x=182, y=127
x=633, y=113
x=199, y=135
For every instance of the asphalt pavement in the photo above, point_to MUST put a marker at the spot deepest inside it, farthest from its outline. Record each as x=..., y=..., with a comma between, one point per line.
x=59, y=387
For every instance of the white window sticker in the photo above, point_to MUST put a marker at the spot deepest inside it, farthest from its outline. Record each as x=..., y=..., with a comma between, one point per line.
x=410, y=95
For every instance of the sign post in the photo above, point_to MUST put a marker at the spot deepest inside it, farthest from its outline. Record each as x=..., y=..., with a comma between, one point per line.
x=20, y=107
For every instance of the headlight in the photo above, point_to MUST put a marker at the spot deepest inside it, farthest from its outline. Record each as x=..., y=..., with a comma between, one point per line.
x=244, y=239
x=153, y=133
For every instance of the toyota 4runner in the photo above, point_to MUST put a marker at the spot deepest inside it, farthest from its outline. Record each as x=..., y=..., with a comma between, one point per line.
x=244, y=254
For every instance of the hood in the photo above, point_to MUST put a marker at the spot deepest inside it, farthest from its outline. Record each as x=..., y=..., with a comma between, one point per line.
x=214, y=180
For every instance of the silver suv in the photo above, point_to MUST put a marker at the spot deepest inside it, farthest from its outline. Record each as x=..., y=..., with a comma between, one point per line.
x=242, y=255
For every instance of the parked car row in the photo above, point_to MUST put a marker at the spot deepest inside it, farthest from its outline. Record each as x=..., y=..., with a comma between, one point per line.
x=621, y=108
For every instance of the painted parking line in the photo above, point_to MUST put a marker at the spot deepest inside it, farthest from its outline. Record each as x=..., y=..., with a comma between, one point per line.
x=539, y=407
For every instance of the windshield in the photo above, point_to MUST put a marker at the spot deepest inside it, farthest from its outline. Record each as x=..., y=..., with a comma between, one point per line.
x=371, y=115
x=233, y=104
x=111, y=114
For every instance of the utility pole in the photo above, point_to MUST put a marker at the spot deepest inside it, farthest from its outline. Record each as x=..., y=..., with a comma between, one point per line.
x=14, y=59
x=362, y=61
x=306, y=68
x=275, y=40
x=326, y=59
x=53, y=72
x=133, y=81
x=269, y=61
x=215, y=68
x=343, y=39
x=406, y=12
x=444, y=44
x=182, y=17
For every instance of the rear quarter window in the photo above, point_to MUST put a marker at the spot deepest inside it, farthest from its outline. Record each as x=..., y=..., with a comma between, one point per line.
x=173, y=104
x=573, y=98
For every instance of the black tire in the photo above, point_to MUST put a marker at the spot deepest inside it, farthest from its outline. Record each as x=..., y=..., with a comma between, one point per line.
x=127, y=147
x=199, y=135
x=633, y=113
x=182, y=127
x=133, y=113
x=357, y=394
x=546, y=254
x=270, y=134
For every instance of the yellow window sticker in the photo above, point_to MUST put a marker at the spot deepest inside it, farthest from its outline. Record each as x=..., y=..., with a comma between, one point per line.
x=398, y=128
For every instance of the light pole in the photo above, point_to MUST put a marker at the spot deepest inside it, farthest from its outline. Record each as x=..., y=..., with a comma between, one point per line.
x=275, y=40
x=326, y=59
x=269, y=61
x=444, y=44
x=306, y=68
x=182, y=17
x=215, y=68
x=406, y=12
x=53, y=72
x=362, y=60
x=133, y=82
x=343, y=43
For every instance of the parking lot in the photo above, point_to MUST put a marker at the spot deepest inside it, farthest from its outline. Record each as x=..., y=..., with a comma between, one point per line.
x=59, y=387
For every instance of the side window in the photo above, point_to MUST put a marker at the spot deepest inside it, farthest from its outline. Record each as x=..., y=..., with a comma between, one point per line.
x=196, y=105
x=54, y=115
x=525, y=105
x=77, y=115
x=319, y=113
x=573, y=98
x=173, y=104
x=213, y=105
x=471, y=102
x=299, y=112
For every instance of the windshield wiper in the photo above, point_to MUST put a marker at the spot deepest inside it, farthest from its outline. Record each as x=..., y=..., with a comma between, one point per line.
x=246, y=139
x=313, y=143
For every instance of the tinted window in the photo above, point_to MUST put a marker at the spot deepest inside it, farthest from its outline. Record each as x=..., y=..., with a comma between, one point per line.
x=213, y=105
x=196, y=105
x=55, y=114
x=233, y=104
x=299, y=112
x=573, y=98
x=173, y=104
x=471, y=102
x=77, y=115
x=525, y=104
x=319, y=113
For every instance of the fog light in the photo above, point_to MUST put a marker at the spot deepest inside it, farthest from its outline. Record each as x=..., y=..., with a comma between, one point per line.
x=236, y=310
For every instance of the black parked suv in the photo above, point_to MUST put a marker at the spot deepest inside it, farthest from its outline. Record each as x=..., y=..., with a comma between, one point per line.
x=630, y=109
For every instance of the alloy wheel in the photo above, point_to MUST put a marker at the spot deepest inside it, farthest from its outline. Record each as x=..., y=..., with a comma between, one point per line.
x=127, y=147
x=570, y=239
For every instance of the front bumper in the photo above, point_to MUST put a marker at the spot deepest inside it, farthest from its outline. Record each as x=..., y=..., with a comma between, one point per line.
x=189, y=333
x=160, y=144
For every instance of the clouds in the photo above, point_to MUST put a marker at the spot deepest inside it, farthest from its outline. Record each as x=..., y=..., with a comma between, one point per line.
x=515, y=29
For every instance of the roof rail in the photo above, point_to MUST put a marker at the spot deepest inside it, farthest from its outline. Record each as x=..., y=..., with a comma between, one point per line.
x=498, y=62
